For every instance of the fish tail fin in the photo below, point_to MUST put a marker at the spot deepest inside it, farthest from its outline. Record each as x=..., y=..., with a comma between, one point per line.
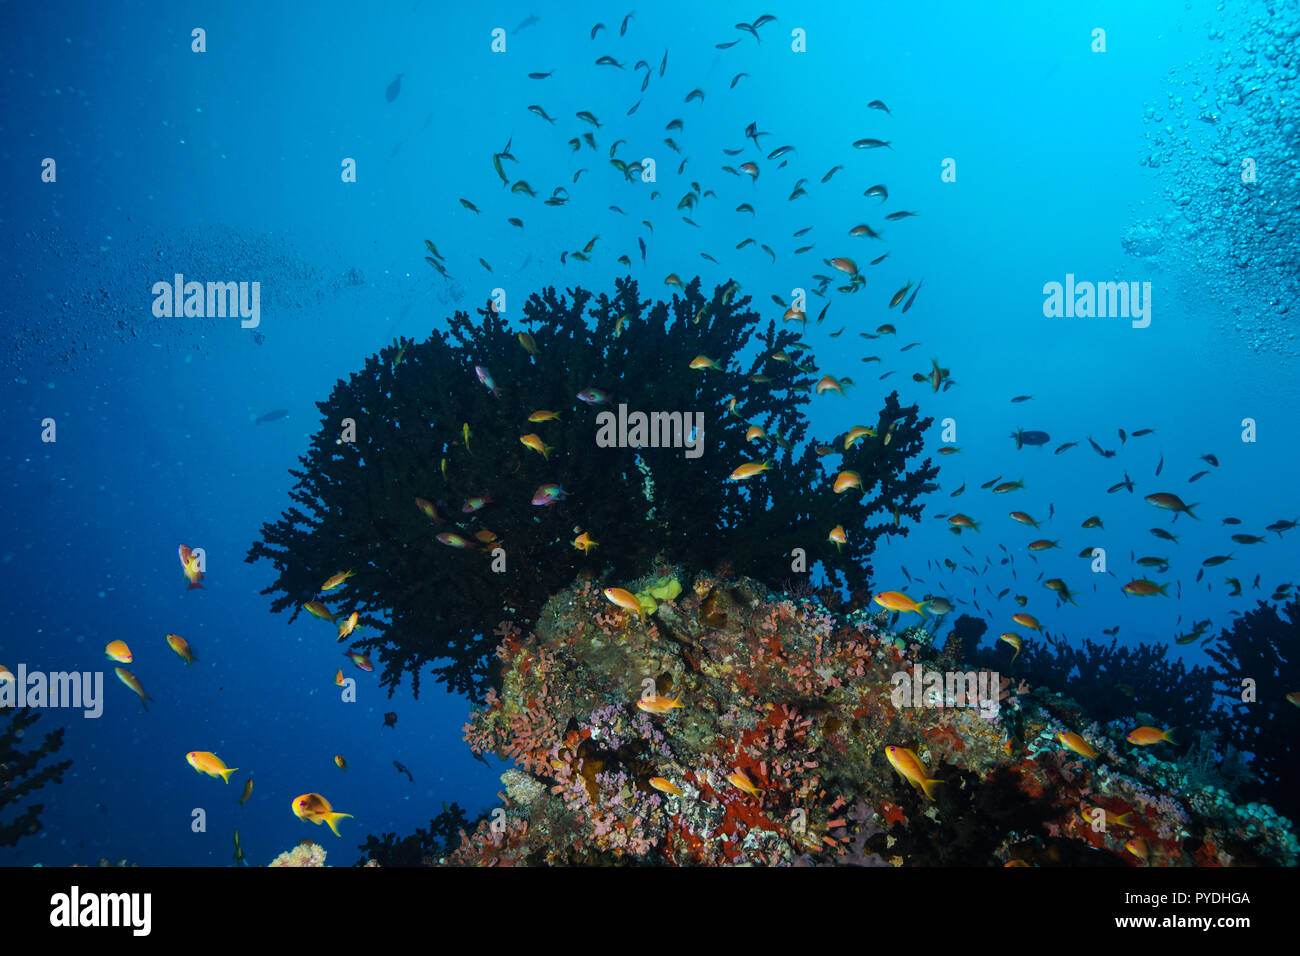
x=1169, y=736
x=1188, y=509
x=193, y=585
x=920, y=608
x=1161, y=589
x=225, y=774
x=143, y=698
x=496, y=392
x=333, y=818
x=926, y=785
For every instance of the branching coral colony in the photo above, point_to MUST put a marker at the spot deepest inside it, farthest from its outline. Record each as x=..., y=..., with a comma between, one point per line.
x=23, y=771
x=773, y=747
x=456, y=477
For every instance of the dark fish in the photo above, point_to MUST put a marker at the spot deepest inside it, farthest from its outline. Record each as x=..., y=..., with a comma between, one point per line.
x=641, y=243
x=1160, y=465
x=401, y=768
x=1199, y=474
x=879, y=259
x=529, y=21
x=1122, y=436
x=539, y=76
x=1143, y=431
x=833, y=171
x=1022, y=438
x=895, y=216
x=871, y=144
x=1280, y=526
x=1215, y=561
x=1247, y=539
x=1099, y=450
x=390, y=719
x=622, y=30
x=634, y=107
x=663, y=64
x=725, y=46
x=958, y=491
x=1232, y=521
x=1211, y=459
x=394, y=88
x=736, y=79
x=278, y=414
x=877, y=105
x=1126, y=483
x=609, y=61
x=1164, y=535
x=912, y=298
x=1068, y=445
x=992, y=482
x=596, y=29
x=696, y=94
x=1022, y=398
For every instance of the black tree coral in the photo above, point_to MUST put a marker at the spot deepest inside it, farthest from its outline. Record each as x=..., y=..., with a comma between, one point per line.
x=427, y=427
x=22, y=773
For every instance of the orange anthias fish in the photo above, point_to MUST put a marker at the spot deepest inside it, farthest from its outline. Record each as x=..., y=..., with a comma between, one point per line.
x=129, y=679
x=584, y=542
x=339, y=679
x=348, y=626
x=535, y=442
x=318, y=609
x=1144, y=588
x=118, y=651
x=898, y=601
x=314, y=808
x=206, y=762
x=1146, y=736
x=1138, y=847
x=626, y=600
x=360, y=660
x=665, y=786
x=740, y=780
x=749, y=470
x=1014, y=640
x=336, y=580
x=340, y=761
x=428, y=509
x=846, y=480
x=1027, y=620
x=703, y=362
x=181, y=647
x=839, y=536
x=1076, y=743
x=190, y=564
x=655, y=704
x=909, y=765
x=543, y=415
x=248, y=791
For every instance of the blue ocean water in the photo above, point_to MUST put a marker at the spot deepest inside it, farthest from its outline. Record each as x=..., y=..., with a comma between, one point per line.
x=225, y=165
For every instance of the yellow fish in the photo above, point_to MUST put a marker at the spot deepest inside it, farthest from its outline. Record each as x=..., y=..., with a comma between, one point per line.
x=702, y=362
x=749, y=470
x=118, y=651
x=665, y=786
x=1076, y=743
x=1027, y=620
x=314, y=808
x=536, y=444
x=181, y=647
x=1146, y=736
x=543, y=415
x=838, y=536
x=318, y=609
x=1014, y=640
x=626, y=600
x=909, y=765
x=741, y=781
x=129, y=679
x=335, y=580
x=340, y=761
x=655, y=704
x=348, y=626
x=846, y=480
x=898, y=601
x=464, y=430
x=856, y=433
x=584, y=543
x=206, y=762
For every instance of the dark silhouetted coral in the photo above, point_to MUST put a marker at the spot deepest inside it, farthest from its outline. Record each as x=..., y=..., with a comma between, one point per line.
x=426, y=427
x=23, y=771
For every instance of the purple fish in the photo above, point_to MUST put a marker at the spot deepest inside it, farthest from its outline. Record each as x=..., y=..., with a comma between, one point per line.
x=485, y=377
x=593, y=396
x=548, y=494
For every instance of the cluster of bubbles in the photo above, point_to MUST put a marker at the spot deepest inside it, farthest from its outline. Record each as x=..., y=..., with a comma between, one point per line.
x=1224, y=145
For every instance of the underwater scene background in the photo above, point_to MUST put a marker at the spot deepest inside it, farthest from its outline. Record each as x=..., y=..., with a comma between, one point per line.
x=831, y=231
